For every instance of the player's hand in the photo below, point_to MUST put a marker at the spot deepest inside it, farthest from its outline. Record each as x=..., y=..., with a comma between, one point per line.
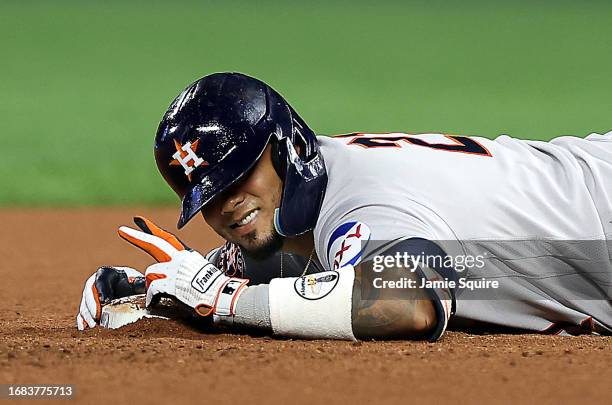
x=106, y=284
x=182, y=273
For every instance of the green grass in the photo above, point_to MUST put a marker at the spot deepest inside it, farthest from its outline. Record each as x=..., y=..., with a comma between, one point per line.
x=85, y=83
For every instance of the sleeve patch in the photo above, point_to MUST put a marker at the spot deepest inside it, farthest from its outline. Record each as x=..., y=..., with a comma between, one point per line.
x=316, y=286
x=347, y=244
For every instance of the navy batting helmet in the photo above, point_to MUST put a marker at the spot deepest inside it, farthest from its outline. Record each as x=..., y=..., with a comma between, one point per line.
x=216, y=130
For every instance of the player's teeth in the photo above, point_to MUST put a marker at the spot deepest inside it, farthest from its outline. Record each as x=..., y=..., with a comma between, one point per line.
x=248, y=218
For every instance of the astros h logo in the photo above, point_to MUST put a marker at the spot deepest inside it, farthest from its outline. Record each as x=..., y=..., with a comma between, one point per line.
x=186, y=156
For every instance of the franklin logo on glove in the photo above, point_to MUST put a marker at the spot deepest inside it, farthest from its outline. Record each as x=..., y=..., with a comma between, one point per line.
x=201, y=279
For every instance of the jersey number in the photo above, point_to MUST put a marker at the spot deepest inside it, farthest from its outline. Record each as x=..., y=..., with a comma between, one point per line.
x=461, y=144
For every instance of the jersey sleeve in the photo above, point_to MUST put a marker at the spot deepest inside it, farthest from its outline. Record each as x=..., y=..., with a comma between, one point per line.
x=442, y=297
x=369, y=231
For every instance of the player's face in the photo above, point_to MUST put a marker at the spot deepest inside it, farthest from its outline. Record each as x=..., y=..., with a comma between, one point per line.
x=244, y=213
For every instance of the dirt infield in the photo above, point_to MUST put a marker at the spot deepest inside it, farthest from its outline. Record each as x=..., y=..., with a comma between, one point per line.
x=48, y=254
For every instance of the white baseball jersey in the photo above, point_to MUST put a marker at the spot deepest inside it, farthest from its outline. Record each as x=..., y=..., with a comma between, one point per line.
x=540, y=213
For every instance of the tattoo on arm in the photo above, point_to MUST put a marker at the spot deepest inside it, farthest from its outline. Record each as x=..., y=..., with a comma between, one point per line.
x=382, y=313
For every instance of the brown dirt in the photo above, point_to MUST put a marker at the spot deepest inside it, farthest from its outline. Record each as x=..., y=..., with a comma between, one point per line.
x=47, y=255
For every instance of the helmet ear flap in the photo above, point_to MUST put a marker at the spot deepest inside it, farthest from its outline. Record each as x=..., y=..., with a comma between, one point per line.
x=300, y=145
x=279, y=152
x=279, y=159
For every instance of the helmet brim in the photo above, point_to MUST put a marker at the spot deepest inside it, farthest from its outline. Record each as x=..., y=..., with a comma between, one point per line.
x=217, y=180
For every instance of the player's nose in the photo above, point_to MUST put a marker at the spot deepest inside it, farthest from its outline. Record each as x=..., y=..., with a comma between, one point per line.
x=232, y=198
x=231, y=203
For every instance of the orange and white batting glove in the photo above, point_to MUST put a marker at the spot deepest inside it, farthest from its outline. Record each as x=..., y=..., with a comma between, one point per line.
x=183, y=273
x=105, y=285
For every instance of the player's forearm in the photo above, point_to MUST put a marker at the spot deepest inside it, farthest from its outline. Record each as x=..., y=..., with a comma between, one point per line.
x=342, y=313
x=381, y=313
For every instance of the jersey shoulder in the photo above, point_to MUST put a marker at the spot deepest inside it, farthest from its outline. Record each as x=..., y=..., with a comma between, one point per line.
x=347, y=238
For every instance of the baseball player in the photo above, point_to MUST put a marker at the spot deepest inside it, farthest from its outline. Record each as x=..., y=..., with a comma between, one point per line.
x=332, y=237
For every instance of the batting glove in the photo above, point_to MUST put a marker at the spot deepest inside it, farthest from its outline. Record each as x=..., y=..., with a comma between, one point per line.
x=183, y=273
x=106, y=284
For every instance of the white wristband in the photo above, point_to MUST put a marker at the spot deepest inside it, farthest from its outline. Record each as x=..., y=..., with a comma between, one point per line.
x=316, y=306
